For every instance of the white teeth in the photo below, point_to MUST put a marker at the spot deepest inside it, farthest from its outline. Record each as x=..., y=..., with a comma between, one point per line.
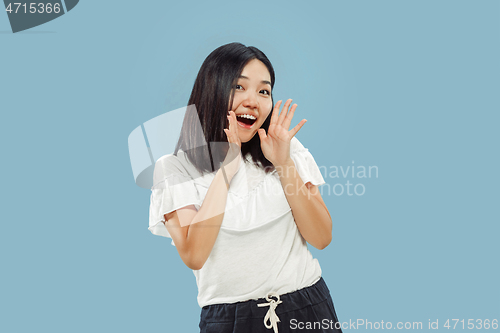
x=246, y=116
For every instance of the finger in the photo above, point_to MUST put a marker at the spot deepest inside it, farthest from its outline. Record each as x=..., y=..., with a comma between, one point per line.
x=294, y=130
x=232, y=122
x=228, y=135
x=289, y=117
x=262, y=134
x=235, y=122
x=231, y=129
x=276, y=110
x=271, y=130
x=228, y=130
x=284, y=111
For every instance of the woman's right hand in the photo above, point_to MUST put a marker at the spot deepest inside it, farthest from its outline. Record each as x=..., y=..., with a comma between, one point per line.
x=232, y=161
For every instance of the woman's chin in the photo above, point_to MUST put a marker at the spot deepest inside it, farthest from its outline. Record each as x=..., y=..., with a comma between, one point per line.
x=246, y=137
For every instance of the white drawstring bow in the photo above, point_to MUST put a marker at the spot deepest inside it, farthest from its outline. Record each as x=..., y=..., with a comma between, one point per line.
x=271, y=314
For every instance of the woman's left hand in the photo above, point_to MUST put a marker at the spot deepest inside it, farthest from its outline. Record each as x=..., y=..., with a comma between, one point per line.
x=276, y=143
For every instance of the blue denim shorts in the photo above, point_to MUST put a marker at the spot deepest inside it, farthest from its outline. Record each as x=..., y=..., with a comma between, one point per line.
x=308, y=309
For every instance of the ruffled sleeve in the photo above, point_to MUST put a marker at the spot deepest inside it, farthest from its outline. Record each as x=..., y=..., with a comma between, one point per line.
x=305, y=164
x=173, y=189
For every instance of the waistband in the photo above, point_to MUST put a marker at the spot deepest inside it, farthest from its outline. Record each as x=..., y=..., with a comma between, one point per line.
x=268, y=308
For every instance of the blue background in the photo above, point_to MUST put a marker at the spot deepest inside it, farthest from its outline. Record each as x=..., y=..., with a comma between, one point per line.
x=408, y=86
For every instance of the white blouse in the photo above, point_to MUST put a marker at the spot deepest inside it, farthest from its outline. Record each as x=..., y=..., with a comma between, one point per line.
x=259, y=248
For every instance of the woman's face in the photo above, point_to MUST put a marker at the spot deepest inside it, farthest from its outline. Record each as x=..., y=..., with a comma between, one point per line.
x=252, y=98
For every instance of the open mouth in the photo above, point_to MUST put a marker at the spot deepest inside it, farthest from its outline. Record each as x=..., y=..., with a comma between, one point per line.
x=246, y=120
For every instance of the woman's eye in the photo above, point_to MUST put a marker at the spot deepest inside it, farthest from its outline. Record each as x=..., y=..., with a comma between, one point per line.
x=265, y=91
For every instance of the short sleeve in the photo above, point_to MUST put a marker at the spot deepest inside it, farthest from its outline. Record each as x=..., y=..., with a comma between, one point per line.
x=172, y=189
x=305, y=164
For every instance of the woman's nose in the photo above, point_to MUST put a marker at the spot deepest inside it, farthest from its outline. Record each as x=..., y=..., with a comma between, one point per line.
x=250, y=101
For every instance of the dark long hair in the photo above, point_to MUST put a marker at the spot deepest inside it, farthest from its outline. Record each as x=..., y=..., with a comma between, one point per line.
x=206, y=114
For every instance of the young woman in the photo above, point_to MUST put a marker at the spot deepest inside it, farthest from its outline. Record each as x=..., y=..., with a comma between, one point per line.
x=239, y=198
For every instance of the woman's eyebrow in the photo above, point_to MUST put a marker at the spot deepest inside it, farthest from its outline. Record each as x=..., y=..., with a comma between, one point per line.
x=263, y=81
